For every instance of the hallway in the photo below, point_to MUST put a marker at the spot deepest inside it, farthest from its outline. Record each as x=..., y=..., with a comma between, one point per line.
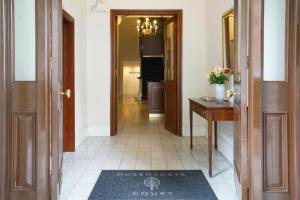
x=141, y=144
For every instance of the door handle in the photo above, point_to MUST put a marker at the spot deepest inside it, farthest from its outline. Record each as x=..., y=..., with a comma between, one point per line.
x=67, y=93
x=231, y=93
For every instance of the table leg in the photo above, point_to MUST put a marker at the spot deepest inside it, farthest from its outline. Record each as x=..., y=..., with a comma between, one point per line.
x=210, y=147
x=191, y=127
x=216, y=134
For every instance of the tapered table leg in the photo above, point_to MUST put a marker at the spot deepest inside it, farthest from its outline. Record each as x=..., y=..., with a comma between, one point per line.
x=216, y=134
x=210, y=146
x=191, y=126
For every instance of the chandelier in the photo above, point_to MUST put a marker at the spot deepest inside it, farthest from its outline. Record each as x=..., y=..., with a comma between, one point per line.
x=146, y=27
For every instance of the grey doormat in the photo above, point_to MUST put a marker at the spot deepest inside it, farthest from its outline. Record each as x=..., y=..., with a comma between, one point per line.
x=152, y=185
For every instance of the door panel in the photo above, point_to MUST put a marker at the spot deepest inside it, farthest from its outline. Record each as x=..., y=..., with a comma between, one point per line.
x=240, y=99
x=276, y=98
x=27, y=110
x=133, y=82
x=3, y=101
x=56, y=99
x=68, y=83
x=275, y=144
x=171, y=54
x=273, y=118
x=24, y=150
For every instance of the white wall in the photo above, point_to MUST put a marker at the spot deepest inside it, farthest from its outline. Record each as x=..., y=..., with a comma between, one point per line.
x=129, y=52
x=76, y=8
x=98, y=58
x=202, y=48
x=129, y=47
x=215, y=11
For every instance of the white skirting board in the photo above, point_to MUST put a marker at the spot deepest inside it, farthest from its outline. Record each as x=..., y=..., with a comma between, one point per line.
x=226, y=140
x=225, y=137
x=198, y=130
x=98, y=131
x=80, y=136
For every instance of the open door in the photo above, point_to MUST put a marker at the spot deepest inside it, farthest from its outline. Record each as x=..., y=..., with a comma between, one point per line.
x=56, y=99
x=171, y=65
x=274, y=147
x=26, y=114
x=240, y=95
x=68, y=63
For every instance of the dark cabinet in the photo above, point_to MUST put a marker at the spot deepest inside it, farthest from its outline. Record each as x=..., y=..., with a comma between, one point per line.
x=156, y=99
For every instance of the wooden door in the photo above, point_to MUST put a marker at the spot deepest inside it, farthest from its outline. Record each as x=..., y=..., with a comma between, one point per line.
x=133, y=83
x=3, y=99
x=273, y=63
x=56, y=99
x=24, y=38
x=170, y=30
x=68, y=83
x=240, y=95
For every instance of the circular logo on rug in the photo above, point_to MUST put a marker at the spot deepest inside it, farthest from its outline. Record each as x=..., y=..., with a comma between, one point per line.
x=152, y=182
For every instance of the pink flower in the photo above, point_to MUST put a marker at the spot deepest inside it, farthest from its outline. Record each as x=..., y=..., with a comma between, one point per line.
x=226, y=70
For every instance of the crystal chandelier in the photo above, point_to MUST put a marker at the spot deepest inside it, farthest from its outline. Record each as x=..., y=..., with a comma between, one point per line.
x=146, y=27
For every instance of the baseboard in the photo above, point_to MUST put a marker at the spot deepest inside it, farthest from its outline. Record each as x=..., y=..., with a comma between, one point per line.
x=80, y=136
x=199, y=130
x=225, y=148
x=98, y=131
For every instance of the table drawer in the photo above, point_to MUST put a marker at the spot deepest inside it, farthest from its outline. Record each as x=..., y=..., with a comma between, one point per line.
x=200, y=111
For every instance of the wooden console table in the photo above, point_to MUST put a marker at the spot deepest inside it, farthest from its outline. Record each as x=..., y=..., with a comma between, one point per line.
x=212, y=112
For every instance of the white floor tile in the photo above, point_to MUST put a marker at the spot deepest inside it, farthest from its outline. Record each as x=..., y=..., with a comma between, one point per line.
x=128, y=165
x=189, y=164
x=89, y=176
x=141, y=144
x=174, y=165
x=143, y=165
x=112, y=164
x=159, y=164
x=72, y=176
x=144, y=155
x=156, y=155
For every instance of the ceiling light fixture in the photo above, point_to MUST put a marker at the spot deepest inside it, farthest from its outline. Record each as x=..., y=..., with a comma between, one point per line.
x=147, y=28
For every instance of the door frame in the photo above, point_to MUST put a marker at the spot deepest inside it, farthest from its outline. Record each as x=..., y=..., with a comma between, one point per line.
x=241, y=175
x=3, y=97
x=113, y=84
x=255, y=121
x=70, y=146
x=56, y=59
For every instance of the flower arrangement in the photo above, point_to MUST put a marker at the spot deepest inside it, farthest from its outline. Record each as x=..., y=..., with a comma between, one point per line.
x=219, y=75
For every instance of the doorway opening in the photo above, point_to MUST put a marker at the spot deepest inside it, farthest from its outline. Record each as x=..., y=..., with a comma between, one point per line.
x=68, y=63
x=146, y=67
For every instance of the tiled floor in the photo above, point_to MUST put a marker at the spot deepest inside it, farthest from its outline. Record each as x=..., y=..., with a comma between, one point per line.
x=141, y=144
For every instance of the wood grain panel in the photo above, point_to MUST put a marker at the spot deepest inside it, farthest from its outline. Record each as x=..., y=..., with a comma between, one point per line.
x=22, y=94
x=23, y=151
x=298, y=45
x=275, y=152
x=68, y=72
x=276, y=96
x=156, y=98
x=170, y=107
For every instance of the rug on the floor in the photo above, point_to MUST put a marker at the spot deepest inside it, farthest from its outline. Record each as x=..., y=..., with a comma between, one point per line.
x=152, y=185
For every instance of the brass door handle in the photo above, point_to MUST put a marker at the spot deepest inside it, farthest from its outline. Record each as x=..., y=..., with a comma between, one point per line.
x=231, y=93
x=67, y=93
